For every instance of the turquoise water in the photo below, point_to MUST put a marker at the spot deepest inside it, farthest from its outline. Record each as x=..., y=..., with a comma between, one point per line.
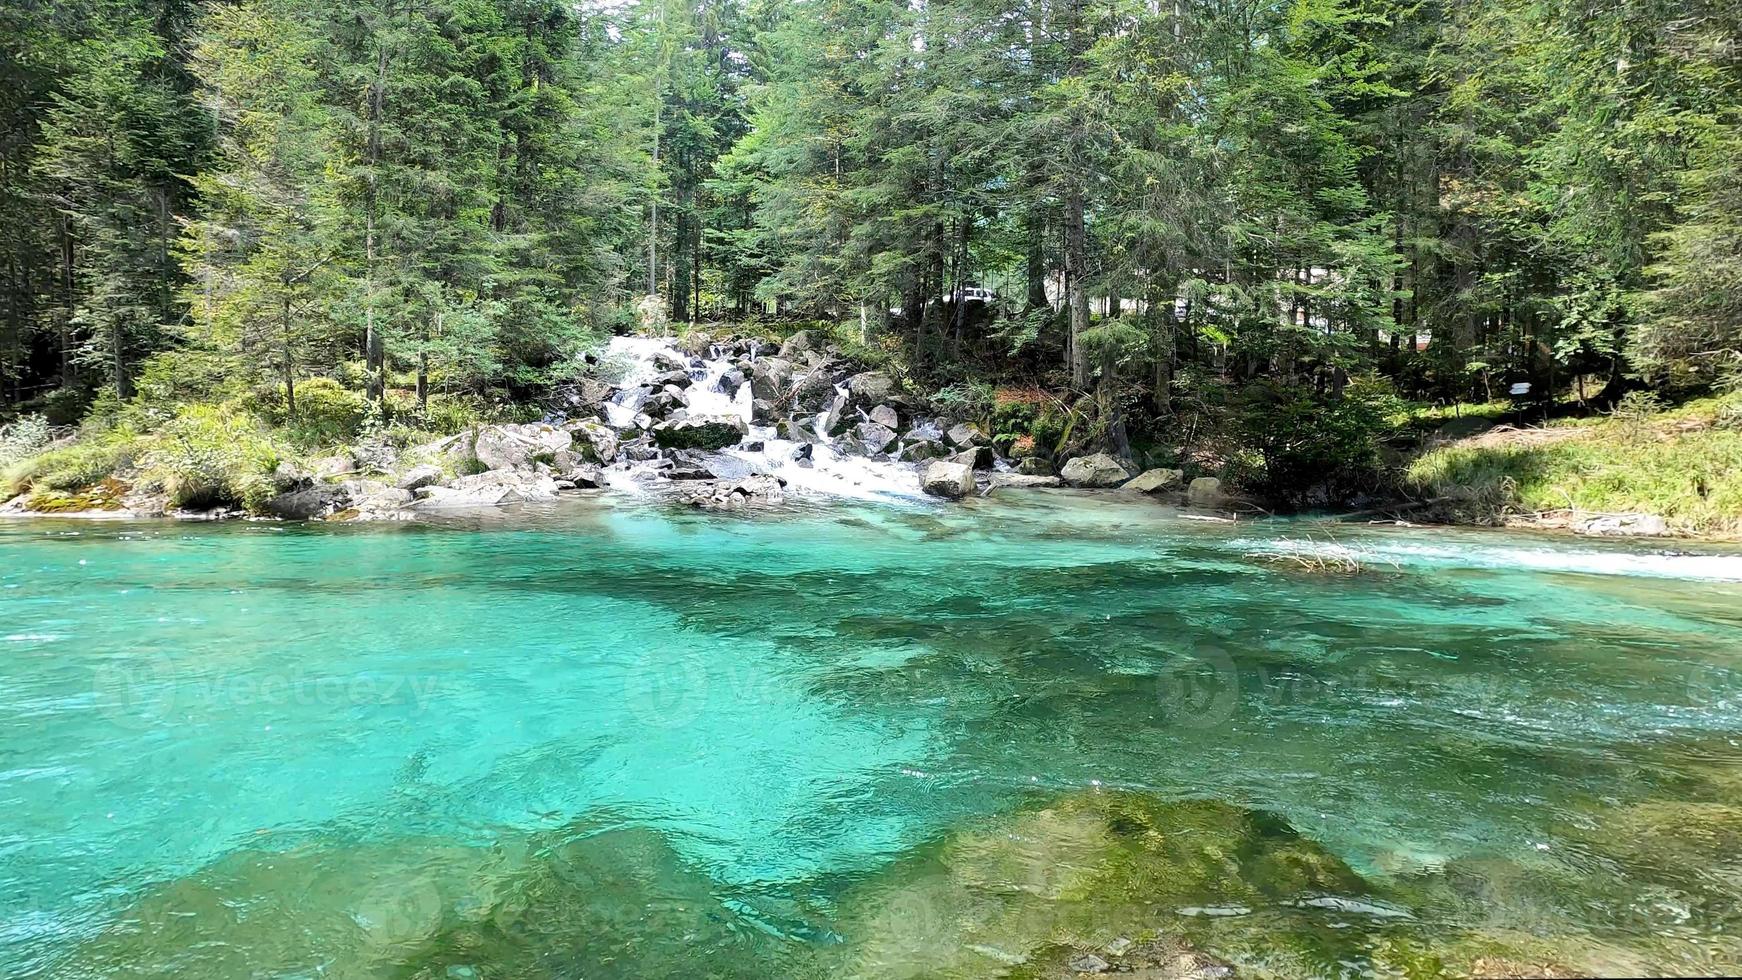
x=612, y=739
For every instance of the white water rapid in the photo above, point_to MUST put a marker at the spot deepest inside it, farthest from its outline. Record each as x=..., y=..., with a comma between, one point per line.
x=828, y=471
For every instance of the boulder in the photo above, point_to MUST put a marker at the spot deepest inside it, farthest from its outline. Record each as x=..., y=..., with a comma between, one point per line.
x=813, y=392
x=499, y=449
x=309, y=503
x=335, y=466
x=676, y=379
x=730, y=382
x=593, y=441
x=424, y=475
x=873, y=437
x=799, y=344
x=870, y=388
x=1033, y=466
x=977, y=457
x=289, y=478
x=700, y=432
x=1205, y=491
x=965, y=434
x=755, y=491
x=885, y=416
x=1156, y=480
x=1624, y=525
x=770, y=378
x=1098, y=470
x=1001, y=481
x=667, y=361
x=763, y=412
x=947, y=479
x=920, y=450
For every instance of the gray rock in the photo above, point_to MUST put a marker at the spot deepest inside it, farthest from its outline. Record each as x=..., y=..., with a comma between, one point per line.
x=593, y=441
x=700, y=432
x=1097, y=470
x=799, y=344
x=1205, y=491
x=335, y=466
x=763, y=412
x=670, y=362
x=770, y=378
x=420, y=476
x=1090, y=963
x=886, y=416
x=870, y=388
x=813, y=392
x=755, y=491
x=730, y=382
x=873, y=437
x=1156, y=480
x=978, y=457
x=499, y=449
x=920, y=450
x=289, y=478
x=1624, y=526
x=965, y=434
x=1033, y=466
x=947, y=479
x=309, y=503
x=1023, y=481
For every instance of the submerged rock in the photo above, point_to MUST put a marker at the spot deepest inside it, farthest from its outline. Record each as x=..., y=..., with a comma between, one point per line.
x=1097, y=470
x=947, y=479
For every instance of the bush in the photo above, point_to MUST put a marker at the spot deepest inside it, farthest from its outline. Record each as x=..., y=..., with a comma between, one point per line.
x=25, y=437
x=327, y=413
x=207, y=457
x=74, y=466
x=1304, y=448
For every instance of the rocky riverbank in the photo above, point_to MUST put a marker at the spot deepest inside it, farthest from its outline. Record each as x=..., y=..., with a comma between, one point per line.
x=717, y=424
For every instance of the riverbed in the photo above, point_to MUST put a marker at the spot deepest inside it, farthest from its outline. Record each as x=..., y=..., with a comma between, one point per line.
x=609, y=738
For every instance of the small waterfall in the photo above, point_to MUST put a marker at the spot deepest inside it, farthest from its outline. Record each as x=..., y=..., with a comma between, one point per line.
x=827, y=469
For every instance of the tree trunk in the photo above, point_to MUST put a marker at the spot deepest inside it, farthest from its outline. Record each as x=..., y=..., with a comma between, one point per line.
x=1036, y=261
x=1075, y=273
x=288, y=363
x=374, y=348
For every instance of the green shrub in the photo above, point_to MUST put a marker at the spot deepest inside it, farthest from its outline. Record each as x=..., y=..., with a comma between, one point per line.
x=1304, y=448
x=965, y=400
x=74, y=466
x=208, y=456
x=25, y=437
x=327, y=413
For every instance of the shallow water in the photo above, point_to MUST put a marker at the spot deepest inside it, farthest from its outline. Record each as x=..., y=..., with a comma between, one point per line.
x=605, y=738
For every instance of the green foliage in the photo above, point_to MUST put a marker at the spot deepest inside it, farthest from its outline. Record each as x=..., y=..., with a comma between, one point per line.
x=327, y=413
x=970, y=400
x=209, y=456
x=73, y=466
x=1311, y=448
x=1683, y=465
x=23, y=438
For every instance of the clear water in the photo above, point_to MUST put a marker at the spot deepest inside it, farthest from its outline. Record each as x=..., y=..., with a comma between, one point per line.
x=611, y=739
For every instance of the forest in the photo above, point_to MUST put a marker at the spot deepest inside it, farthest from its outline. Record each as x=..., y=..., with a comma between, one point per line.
x=1254, y=235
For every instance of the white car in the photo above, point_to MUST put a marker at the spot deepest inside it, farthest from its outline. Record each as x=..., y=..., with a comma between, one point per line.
x=975, y=294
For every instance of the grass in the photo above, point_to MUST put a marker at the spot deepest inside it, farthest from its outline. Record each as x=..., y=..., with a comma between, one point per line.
x=1684, y=465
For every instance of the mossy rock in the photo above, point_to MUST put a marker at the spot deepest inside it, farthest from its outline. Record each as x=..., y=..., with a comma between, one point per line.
x=1079, y=872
